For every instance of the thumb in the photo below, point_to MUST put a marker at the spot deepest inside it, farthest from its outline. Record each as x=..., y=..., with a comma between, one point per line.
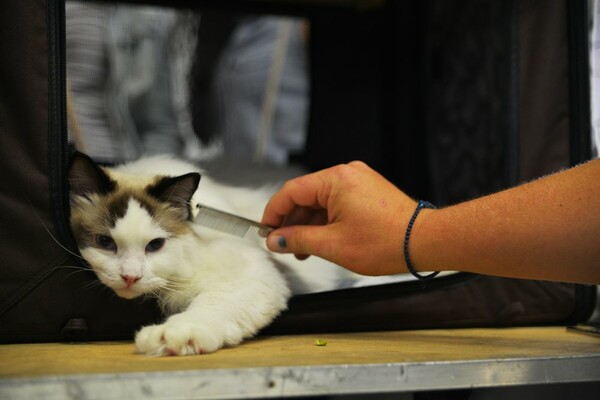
x=301, y=240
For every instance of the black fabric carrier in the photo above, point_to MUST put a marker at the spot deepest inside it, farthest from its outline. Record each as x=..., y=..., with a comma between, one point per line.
x=480, y=93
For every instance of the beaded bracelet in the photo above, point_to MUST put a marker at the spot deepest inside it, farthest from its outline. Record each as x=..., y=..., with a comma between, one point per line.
x=422, y=204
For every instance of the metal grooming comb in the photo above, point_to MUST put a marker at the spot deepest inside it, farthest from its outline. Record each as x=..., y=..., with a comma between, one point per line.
x=230, y=223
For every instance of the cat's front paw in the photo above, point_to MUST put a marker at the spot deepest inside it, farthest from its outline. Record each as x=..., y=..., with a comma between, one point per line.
x=176, y=338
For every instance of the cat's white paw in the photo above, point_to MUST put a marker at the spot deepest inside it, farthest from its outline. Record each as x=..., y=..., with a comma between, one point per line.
x=176, y=337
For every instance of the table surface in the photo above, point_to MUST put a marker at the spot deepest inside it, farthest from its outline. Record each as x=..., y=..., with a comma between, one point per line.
x=293, y=365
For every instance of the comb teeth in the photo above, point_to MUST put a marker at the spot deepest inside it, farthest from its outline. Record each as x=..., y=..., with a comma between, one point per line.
x=231, y=224
x=257, y=232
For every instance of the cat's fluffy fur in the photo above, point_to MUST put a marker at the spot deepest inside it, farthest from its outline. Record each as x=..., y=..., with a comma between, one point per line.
x=133, y=226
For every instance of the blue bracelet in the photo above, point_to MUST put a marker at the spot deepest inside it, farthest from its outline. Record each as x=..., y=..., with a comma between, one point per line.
x=422, y=204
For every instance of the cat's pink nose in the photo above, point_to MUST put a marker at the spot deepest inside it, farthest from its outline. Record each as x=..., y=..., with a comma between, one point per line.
x=130, y=280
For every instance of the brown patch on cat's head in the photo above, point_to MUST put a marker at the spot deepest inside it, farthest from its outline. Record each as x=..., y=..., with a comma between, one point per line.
x=99, y=200
x=97, y=214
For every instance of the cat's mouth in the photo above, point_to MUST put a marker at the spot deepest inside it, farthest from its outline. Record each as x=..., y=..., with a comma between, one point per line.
x=128, y=293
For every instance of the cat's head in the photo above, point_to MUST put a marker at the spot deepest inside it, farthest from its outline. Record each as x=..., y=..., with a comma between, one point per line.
x=131, y=230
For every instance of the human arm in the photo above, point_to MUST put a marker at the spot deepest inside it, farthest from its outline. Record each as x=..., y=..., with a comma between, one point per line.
x=547, y=229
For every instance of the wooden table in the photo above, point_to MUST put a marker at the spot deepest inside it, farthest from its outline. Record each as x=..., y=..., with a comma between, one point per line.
x=374, y=362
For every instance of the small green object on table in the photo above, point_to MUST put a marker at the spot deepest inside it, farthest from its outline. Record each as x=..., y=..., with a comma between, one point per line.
x=320, y=342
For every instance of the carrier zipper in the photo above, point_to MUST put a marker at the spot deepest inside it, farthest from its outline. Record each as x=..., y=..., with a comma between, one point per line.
x=579, y=82
x=58, y=150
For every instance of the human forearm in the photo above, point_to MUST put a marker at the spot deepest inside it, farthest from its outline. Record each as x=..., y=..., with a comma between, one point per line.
x=548, y=229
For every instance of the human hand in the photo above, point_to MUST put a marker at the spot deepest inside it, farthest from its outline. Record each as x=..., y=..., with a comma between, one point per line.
x=348, y=214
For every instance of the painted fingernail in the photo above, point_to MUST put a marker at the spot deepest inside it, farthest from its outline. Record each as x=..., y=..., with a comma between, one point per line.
x=276, y=243
x=281, y=242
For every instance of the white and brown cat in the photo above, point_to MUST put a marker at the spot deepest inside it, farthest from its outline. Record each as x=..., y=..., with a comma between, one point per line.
x=133, y=225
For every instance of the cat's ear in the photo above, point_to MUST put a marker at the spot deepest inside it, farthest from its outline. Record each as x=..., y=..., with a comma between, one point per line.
x=177, y=191
x=86, y=177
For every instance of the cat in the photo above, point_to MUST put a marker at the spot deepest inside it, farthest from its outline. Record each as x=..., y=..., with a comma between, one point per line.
x=133, y=225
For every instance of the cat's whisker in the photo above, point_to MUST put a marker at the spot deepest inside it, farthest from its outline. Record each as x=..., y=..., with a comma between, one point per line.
x=149, y=295
x=177, y=280
x=93, y=284
x=166, y=289
x=75, y=269
x=101, y=288
x=178, y=283
x=153, y=294
x=51, y=235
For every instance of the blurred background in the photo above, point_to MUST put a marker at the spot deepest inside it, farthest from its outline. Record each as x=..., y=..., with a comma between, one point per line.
x=448, y=100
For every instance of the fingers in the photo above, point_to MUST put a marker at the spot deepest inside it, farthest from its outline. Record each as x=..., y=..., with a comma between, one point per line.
x=313, y=191
x=309, y=191
x=305, y=216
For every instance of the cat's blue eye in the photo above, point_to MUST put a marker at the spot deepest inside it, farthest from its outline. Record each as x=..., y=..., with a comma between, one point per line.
x=106, y=243
x=155, y=245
